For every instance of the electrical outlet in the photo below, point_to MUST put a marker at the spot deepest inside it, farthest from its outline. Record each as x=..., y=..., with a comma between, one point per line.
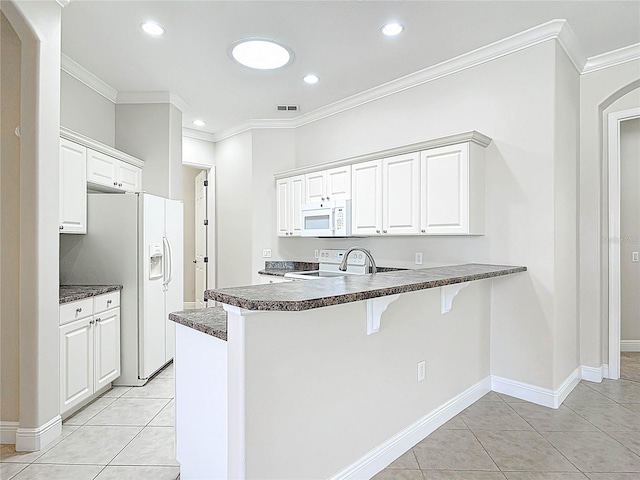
x=266, y=253
x=634, y=256
x=316, y=254
x=422, y=370
x=418, y=258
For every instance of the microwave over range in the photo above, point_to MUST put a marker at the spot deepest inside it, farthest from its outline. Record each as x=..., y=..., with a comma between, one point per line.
x=326, y=219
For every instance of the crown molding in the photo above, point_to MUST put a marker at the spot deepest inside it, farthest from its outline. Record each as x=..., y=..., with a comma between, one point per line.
x=610, y=59
x=569, y=43
x=198, y=135
x=151, y=97
x=83, y=75
x=253, y=125
x=63, y=3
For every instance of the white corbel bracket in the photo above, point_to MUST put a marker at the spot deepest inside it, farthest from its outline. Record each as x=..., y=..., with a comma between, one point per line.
x=447, y=293
x=375, y=309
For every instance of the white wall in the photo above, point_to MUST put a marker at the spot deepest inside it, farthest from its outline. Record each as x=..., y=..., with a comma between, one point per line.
x=234, y=211
x=10, y=52
x=629, y=229
x=85, y=111
x=613, y=88
x=197, y=152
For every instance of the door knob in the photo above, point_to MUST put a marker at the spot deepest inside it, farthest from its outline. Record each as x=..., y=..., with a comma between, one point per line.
x=195, y=261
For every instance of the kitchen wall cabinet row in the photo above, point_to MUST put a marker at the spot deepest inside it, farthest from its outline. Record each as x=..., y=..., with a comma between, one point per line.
x=429, y=191
x=87, y=164
x=89, y=348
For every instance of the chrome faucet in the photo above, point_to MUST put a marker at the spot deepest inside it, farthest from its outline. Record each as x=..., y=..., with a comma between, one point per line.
x=343, y=264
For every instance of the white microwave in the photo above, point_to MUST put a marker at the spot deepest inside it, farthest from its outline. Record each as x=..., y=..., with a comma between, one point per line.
x=326, y=219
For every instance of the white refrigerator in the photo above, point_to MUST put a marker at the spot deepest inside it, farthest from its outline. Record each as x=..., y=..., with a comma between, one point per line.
x=135, y=240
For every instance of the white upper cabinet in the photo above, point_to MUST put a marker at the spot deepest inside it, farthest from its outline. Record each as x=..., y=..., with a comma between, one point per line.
x=401, y=194
x=290, y=197
x=452, y=198
x=385, y=196
x=366, y=198
x=106, y=171
x=328, y=185
x=73, y=188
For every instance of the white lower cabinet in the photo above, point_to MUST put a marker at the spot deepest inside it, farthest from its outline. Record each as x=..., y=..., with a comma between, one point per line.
x=89, y=339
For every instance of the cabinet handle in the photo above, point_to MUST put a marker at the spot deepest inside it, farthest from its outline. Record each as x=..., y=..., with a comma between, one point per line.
x=91, y=322
x=384, y=231
x=323, y=199
x=61, y=227
x=119, y=184
x=327, y=197
x=423, y=231
x=78, y=310
x=98, y=320
x=377, y=231
x=109, y=302
x=115, y=184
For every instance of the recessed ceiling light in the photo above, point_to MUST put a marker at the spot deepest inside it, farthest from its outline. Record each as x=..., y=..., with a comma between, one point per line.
x=153, y=28
x=199, y=123
x=261, y=54
x=311, y=79
x=392, y=29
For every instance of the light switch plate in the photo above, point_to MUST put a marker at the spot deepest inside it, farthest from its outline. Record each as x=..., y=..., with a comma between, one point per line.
x=634, y=256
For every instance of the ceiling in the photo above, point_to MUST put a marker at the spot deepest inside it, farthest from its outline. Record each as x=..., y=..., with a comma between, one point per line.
x=340, y=41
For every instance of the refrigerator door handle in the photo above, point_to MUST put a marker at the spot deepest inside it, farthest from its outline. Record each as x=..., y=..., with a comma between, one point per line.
x=168, y=260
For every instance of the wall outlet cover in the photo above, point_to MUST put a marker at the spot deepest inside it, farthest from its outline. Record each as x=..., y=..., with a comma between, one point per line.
x=266, y=253
x=418, y=258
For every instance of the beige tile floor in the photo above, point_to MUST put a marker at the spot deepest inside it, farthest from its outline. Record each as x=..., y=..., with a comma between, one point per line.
x=594, y=435
x=126, y=434
x=630, y=366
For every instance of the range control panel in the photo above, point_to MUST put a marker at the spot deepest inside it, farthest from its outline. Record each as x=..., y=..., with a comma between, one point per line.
x=336, y=256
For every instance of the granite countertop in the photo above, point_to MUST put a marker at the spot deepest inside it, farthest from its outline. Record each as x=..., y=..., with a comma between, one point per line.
x=71, y=293
x=212, y=321
x=307, y=294
x=279, y=268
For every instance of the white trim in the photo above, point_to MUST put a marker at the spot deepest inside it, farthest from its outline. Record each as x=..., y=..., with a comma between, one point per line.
x=138, y=98
x=534, y=394
x=83, y=75
x=189, y=306
x=198, y=135
x=613, y=58
x=255, y=124
x=389, y=450
x=593, y=374
x=630, y=345
x=8, y=432
x=613, y=161
x=63, y=3
x=99, y=147
x=34, y=439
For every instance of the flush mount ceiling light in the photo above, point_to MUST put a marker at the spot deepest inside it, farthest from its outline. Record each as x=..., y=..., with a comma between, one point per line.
x=260, y=54
x=153, y=28
x=199, y=123
x=392, y=29
x=311, y=79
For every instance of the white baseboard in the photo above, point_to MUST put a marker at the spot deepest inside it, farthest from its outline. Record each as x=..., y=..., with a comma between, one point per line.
x=594, y=374
x=34, y=439
x=630, y=345
x=534, y=394
x=385, y=453
x=8, y=432
x=189, y=305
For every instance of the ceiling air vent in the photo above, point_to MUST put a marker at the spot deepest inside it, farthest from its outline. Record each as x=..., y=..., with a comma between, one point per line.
x=288, y=108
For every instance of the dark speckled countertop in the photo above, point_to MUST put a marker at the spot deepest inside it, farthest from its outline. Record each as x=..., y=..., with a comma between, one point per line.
x=279, y=268
x=212, y=321
x=71, y=293
x=307, y=294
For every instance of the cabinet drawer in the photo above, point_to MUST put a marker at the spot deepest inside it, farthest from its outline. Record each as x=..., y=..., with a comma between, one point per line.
x=106, y=301
x=76, y=310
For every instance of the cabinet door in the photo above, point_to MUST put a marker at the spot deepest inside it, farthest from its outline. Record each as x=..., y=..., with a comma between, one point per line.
x=339, y=183
x=73, y=187
x=401, y=194
x=102, y=169
x=445, y=190
x=283, y=216
x=107, y=347
x=297, y=190
x=129, y=177
x=315, y=187
x=76, y=363
x=366, y=198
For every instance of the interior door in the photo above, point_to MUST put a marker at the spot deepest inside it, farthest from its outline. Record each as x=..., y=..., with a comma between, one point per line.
x=200, y=238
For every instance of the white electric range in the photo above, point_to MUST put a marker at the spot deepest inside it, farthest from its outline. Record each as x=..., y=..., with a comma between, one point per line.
x=328, y=263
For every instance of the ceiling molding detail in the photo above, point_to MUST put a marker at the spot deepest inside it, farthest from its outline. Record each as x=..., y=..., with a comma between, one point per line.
x=553, y=30
x=151, y=97
x=83, y=75
x=63, y=3
x=198, y=135
x=610, y=59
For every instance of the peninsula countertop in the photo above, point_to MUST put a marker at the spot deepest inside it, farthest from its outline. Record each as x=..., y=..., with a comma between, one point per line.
x=308, y=294
x=71, y=293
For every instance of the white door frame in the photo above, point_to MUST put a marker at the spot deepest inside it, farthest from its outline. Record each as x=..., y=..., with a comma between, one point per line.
x=613, y=159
